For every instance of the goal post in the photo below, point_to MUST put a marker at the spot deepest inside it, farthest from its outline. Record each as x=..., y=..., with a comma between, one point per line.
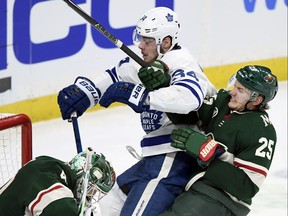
x=15, y=144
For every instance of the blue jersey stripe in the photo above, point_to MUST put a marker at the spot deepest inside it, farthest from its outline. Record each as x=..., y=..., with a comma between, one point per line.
x=112, y=74
x=193, y=92
x=190, y=81
x=158, y=140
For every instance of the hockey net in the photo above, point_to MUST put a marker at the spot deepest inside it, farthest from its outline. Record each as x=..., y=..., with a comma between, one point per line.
x=15, y=144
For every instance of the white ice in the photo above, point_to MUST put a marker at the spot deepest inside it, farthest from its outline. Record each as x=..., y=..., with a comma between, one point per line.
x=109, y=131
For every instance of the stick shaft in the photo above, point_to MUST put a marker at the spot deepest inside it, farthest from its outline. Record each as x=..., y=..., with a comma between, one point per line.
x=88, y=166
x=106, y=33
x=76, y=132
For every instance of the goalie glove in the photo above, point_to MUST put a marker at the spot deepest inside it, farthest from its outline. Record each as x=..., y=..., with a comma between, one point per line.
x=128, y=93
x=155, y=76
x=78, y=97
x=201, y=147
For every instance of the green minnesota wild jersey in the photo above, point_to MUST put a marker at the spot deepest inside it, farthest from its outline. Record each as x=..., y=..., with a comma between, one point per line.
x=44, y=186
x=250, y=139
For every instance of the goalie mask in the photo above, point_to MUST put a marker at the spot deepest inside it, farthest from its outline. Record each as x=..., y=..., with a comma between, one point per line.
x=101, y=174
x=158, y=23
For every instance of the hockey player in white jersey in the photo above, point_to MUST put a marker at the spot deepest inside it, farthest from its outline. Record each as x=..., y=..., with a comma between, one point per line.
x=173, y=84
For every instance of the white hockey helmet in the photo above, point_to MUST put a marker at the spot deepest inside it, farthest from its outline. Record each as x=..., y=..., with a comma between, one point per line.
x=101, y=176
x=158, y=23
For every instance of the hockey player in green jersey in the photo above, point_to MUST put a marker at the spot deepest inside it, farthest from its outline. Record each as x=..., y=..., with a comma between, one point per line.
x=235, y=122
x=47, y=186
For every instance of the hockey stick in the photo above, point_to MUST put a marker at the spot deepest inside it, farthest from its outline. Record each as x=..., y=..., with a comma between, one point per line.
x=107, y=34
x=87, y=168
x=76, y=132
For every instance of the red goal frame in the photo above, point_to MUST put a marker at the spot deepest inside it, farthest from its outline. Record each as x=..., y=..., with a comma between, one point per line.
x=26, y=133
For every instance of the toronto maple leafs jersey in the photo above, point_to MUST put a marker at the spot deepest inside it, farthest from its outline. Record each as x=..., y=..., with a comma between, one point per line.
x=44, y=186
x=250, y=139
x=188, y=87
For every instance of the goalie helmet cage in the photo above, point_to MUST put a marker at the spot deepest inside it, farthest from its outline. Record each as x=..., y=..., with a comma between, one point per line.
x=15, y=144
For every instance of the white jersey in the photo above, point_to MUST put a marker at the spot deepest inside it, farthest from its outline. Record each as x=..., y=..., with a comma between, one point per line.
x=187, y=90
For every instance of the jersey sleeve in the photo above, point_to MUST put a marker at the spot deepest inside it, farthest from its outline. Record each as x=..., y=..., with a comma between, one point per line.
x=56, y=195
x=65, y=206
x=188, y=86
x=232, y=180
x=256, y=147
x=208, y=108
x=126, y=70
x=52, y=184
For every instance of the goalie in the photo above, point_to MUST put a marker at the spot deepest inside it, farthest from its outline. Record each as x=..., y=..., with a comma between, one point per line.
x=48, y=186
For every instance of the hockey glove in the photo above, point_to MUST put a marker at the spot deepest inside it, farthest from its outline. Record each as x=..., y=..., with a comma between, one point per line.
x=201, y=147
x=127, y=93
x=155, y=76
x=78, y=97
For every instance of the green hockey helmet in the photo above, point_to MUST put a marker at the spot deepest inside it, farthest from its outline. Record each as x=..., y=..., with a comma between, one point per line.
x=259, y=80
x=101, y=176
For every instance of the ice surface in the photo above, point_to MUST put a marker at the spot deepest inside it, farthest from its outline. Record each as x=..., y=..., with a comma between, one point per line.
x=109, y=131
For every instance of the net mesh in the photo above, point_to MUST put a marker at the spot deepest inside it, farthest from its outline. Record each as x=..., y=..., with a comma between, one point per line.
x=10, y=151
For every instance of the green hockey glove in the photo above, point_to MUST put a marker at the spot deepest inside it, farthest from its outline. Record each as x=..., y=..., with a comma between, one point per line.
x=198, y=145
x=155, y=76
